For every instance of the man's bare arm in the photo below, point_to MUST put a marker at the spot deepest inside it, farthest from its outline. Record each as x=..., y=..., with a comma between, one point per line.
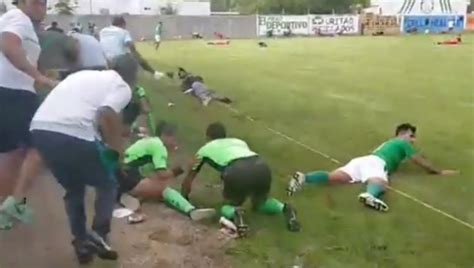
x=430, y=168
x=11, y=47
x=143, y=63
x=111, y=129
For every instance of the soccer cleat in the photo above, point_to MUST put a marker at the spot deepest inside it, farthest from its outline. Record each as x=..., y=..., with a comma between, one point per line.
x=202, y=213
x=102, y=248
x=372, y=202
x=290, y=216
x=296, y=183
x=242, y=227
x=84, y=251
x=17, y=210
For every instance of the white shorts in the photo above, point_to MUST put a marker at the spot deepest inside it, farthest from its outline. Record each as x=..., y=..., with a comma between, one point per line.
x=157, y=38
x=363, y=168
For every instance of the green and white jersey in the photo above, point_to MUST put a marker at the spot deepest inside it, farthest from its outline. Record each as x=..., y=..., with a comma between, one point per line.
x=158, y=30
x=221, y=152
x=394, y=152
x=146, y=151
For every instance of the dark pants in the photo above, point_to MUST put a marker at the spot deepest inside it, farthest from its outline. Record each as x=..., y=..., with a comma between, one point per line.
x=247, y=177
x=76, y=163
x=17, y=108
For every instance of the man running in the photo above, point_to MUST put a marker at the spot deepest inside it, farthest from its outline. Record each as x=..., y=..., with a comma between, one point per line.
x=158, y=33
x=117, y=41
x=244, y=174
x=152, y=153
x=373, y=169
x=76, y=129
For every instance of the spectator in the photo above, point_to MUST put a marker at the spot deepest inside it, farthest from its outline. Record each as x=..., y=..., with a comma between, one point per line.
x=54, y=27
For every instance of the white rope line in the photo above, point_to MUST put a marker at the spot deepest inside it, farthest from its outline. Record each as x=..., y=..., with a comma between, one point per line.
x=332, y=159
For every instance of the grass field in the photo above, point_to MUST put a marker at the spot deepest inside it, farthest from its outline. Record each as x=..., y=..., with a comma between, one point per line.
x=342, y=96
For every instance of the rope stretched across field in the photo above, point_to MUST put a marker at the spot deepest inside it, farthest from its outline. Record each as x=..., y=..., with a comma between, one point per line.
x=332, y=159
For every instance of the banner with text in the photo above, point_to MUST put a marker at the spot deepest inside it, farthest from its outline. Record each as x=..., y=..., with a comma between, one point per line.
x=433, y=24
x=334, y=24
x=280, y=24
x=373, y=24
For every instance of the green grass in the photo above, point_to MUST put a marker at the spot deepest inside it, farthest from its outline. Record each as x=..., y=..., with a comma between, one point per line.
x=342, y=96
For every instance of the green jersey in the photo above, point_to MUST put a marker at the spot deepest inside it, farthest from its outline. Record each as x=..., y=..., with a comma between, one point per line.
x=220, y=153
x=145, y=151
x=158, y=29
x=394, y=152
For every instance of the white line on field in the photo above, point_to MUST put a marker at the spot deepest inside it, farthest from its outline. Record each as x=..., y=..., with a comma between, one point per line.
x=334, y=160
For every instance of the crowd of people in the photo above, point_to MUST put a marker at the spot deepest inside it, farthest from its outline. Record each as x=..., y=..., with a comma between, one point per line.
x=81, y=132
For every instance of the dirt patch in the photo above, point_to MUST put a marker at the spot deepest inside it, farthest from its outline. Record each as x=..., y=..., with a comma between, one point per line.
x=168, y=239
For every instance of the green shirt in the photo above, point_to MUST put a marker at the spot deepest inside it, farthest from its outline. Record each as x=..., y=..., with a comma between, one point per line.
x=58, y=51
x=220, y=153
x=158, y=29
x=394, y=152
x=145, y=151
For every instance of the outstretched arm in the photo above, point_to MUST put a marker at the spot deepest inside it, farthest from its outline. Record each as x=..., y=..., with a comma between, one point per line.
x=187, y=184
x=422, y=162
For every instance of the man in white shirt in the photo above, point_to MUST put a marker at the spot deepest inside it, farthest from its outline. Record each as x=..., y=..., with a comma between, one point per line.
x=116, y=41
x=91, y=54
x=78, y=132
x=19, y=52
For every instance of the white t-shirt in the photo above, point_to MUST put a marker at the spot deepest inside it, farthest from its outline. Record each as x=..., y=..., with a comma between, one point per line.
x=16, y=22
x=71, y=108
x=115, y=41
x=90, y=53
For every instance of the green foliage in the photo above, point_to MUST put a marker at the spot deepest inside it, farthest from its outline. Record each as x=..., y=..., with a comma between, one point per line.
x=64, y=7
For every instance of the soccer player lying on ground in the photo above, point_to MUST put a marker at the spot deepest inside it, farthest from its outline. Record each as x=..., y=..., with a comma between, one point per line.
x=244, y=174
x=373, y=169
x=199, y=90
x=153, y=151
x=455, y=41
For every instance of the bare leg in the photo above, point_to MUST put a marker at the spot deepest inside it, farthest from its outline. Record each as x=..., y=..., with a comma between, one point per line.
x=149, y=189
x=10, y=165
x=30, y=170
x=339, y=177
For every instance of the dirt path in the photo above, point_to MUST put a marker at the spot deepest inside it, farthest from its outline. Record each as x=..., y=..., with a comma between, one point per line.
x=166, y=239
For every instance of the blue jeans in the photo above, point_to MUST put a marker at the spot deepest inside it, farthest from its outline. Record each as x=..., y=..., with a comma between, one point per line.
x=77, y=163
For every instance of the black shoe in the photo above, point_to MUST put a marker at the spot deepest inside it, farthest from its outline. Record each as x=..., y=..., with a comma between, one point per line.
x=290, y=216
x=242, y=228
x=84, y=251
x=102, y=248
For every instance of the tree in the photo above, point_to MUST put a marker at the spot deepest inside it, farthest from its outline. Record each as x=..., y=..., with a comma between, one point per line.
x=64, y=7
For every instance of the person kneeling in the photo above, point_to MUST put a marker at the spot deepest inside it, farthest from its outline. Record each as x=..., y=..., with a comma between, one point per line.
x=153, y=152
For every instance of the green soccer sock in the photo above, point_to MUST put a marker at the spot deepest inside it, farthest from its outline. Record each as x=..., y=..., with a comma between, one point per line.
x=271, y=206
x=228, y=212
x=375, y=189
x=176, y=200
x=321, y=177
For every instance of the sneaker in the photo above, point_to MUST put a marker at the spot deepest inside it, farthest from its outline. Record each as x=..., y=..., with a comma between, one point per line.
x=206, y=101
x=202, y=213
x=102, y=248
x=290, y=216
x=296, y=183
x=6, y=222
x=84, y=251
x=372, y=202
x=18, y=210
x=242, y=227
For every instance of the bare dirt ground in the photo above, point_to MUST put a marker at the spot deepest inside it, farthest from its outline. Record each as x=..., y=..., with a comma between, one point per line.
x=166, y=239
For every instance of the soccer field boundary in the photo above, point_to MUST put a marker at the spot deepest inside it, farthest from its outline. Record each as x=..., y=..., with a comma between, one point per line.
x=335, y=161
